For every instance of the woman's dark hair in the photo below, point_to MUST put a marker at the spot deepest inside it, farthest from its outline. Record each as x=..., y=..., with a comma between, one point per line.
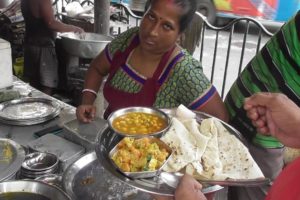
x=189, y=8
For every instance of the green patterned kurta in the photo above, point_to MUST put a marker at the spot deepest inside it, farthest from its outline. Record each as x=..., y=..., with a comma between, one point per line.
x=184, y=84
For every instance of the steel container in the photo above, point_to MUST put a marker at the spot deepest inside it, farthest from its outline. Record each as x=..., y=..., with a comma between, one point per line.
x=38, y=164
x=29, y=189
x=147, y=110
x=85, y=45
x=144, y=174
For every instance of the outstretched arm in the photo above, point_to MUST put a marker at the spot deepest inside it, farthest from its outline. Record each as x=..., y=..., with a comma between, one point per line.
x=98, y=69
x=46, y=13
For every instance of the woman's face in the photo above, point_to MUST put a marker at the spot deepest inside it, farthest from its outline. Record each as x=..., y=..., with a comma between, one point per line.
x=159, y=29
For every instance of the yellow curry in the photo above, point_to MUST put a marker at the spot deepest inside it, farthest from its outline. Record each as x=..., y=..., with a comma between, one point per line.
x=139, y=123
x=135, y=155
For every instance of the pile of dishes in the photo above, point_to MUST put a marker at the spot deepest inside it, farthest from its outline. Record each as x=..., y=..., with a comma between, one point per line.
x=39, y=164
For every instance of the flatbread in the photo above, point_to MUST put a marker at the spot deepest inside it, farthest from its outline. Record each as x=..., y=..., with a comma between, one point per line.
x=208, y=151
x=201, y=146
x=235, y=157
x=182, y=143
x=212, y=165
x=183, y=113
x=188, y=146
x=200, y=139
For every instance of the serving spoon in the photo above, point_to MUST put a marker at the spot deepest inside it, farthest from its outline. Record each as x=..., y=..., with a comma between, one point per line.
x=172, y=179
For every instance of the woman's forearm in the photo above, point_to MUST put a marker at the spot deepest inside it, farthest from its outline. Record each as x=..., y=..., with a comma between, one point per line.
x=92, y=82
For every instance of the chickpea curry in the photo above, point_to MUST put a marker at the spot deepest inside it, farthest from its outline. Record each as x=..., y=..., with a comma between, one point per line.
x=136, y=155
x=139, y=123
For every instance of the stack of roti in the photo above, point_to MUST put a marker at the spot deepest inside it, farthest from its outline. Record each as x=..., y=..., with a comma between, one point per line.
x=207, y=150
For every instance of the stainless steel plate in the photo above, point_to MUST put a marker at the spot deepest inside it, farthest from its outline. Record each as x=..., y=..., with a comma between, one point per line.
x=174, y=178
x=28, y=111
x=11, y=157
x=156, y=185
x=29, y=189
x=86, y=179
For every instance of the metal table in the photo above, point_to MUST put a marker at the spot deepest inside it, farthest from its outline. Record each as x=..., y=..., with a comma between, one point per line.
x=25, y=134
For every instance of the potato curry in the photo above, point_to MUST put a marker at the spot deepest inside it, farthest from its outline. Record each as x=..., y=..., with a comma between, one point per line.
x=135, y=155
x=139, y=123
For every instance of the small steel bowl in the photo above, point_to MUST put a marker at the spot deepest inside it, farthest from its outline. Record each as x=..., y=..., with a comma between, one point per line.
x=147, y=110
x=51, y=179
x=29, y=190
x=34, y=174
x=143, y=174
x=40, y=162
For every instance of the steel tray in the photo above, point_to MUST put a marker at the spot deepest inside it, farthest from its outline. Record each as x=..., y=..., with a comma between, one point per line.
x=86, y=179
x=28, y=111
x=11, y=157
x=107, y=140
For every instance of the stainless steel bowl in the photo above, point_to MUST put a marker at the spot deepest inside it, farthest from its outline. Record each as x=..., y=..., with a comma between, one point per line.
x=143, y=174
x=148, y=110
x=28, y=190
x=38, y=162
x=51, y=179
x=86, y=45
x=32, y=175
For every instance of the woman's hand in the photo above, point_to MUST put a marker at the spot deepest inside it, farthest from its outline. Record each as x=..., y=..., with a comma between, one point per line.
x=86, y=113
x=189, y=188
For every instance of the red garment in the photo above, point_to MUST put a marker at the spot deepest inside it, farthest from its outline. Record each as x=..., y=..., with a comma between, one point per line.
x=287, y=184
x=145, y=97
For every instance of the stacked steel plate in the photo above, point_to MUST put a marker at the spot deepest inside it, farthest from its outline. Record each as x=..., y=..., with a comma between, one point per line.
x=39, y=164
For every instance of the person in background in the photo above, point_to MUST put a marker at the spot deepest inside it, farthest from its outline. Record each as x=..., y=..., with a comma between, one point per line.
x=146, y=67
x=40, y=61
x=276, y=68
x=273, y=114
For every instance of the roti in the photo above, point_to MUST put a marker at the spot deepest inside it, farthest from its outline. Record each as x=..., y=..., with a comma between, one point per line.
x=183, y=144
x=208, y=151
x=235, y=157
x=210, y=160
